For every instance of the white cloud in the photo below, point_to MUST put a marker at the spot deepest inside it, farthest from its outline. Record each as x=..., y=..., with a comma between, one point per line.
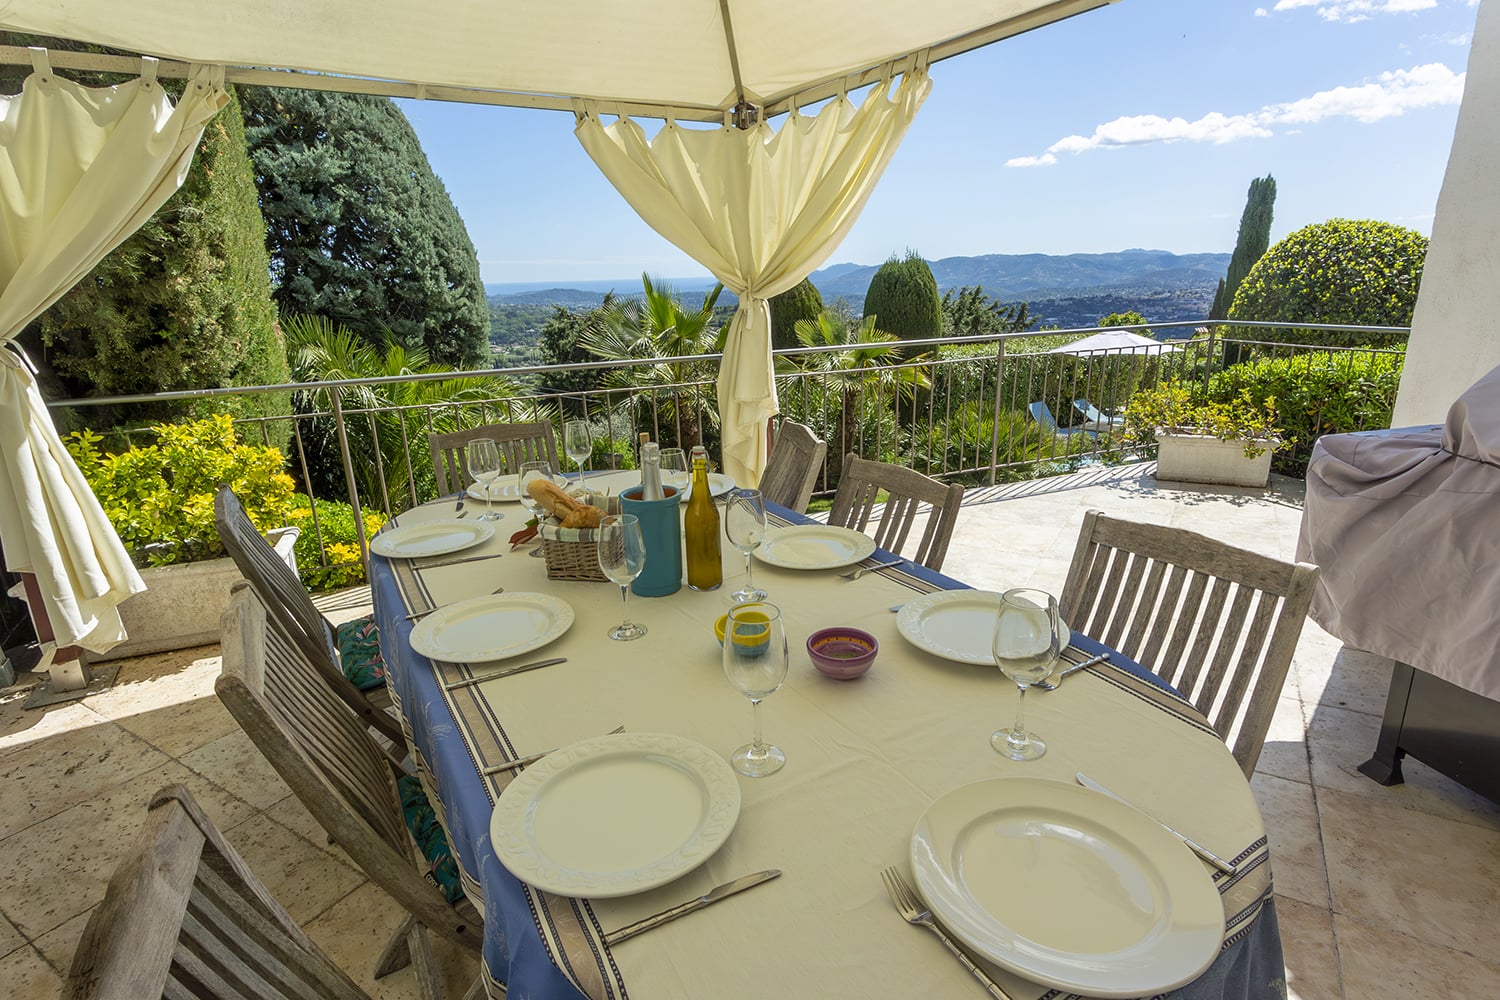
x=1262, y=12
x=1388, y=96
x=1351, y=11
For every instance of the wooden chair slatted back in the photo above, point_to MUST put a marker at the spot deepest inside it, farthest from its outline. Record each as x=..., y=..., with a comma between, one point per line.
x=862, y=482
x=792, y=471
x=184, y=916
x=518, y=443
x=1218, y=623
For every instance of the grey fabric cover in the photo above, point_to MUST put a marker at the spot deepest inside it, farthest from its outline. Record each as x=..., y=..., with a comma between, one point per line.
x=1405, y=524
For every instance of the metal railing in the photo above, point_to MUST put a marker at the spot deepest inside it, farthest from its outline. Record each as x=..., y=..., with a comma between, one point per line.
x=977, y=408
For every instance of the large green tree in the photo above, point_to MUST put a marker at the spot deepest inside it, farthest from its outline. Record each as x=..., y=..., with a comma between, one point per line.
x=360, y=229
x=970, y=312
x=801, y=301
x=184, y=303
x=903, y=298
x=1340, y=271
x=1250, y=245
x=561, y=343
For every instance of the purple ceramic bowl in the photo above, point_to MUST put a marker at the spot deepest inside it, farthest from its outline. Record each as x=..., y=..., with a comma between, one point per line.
x=842, y=653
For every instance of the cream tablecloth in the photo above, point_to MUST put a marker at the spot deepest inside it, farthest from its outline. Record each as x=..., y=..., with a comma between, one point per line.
x=865, y=759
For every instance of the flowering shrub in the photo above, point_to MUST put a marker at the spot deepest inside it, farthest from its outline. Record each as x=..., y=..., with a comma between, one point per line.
x=340, y=543
x=1177, y=408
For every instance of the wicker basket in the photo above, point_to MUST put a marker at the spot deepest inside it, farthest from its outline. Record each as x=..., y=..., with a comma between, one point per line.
x=573, y=553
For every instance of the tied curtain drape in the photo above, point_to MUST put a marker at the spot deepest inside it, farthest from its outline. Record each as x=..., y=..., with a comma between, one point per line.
x=80, y=170
x=761, y=209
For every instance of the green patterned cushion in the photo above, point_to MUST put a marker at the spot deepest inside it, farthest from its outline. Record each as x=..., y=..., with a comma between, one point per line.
x=359, y=653
x=442, y=870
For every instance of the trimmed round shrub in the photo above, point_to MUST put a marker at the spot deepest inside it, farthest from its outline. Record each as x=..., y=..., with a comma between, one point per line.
x=903, y=298
x=1339, y=271
x=801, y=301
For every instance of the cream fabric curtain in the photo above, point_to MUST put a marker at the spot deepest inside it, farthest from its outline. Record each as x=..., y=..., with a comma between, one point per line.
x=761, y=209
x=80, y=170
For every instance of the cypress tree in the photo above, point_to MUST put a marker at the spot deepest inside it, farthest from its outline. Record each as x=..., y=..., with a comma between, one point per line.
x=903, y=298
x=1254, y=237
x=360, y=230
x=801, y=301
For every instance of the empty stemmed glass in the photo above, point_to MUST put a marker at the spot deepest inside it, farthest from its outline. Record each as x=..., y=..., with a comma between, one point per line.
x=674, y=469
x=745, y=524
x=755, y=661
x=482, y=456
x=530, y=472
x=622, y=556
x=578, y=442
x=1026, y=647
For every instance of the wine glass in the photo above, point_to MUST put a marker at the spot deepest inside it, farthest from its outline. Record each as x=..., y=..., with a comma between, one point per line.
x=482, y=456
x=755, y=661
x=745, y=524
x=531, y=471
x=622, y=556
x=578, y=442
x=674, y=469
x=1026, y=647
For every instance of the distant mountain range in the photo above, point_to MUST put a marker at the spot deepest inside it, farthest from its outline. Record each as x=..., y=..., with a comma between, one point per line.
x=1063, y=289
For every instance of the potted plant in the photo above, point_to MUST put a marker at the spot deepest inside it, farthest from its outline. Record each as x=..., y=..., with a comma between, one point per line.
x=160, y=498
x=1204, y=441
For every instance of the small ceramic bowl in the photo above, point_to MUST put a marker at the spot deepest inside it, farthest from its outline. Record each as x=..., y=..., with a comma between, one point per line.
x=842, y=653
x=752, y=637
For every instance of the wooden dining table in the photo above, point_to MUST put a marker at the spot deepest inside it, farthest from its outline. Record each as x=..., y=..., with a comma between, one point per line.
x=865, y=760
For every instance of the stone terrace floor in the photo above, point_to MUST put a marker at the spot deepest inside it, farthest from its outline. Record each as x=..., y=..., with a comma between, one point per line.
x=1381, y=892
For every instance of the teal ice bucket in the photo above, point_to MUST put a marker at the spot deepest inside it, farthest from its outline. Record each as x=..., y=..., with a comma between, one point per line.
x=661, y=530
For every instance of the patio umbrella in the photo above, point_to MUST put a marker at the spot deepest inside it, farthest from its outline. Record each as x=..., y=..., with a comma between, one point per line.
x=1115, y=342
x=80, y=170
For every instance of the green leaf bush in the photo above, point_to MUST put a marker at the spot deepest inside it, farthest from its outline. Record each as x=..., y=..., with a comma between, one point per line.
x=338, y=564
x=160, y=496
x=1181, y=408
x=1339, y=271
x=1316, y=393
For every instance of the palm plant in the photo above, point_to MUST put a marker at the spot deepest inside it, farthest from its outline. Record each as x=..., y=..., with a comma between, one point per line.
x=386, y=423
x=657, y=330
x=871, y=369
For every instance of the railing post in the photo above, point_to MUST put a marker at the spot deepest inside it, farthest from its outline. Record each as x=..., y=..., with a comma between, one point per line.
x=343, y=436
x=995, y=422
x=1208, y=366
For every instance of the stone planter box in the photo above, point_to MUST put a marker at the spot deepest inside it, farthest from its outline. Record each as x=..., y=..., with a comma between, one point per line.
x=1199, y=458
x=183, y=603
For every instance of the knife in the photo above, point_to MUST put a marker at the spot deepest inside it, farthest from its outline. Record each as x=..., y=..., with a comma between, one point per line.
x=713, y=895
x=1192, y=845
x=452, y=562
x=481, y=678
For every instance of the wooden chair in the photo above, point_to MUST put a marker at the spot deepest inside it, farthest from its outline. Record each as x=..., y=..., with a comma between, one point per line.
x=184, y=916
x=337, y=770
x=792, y=472
x=1216, y=622
x=518, y=444
x=283, y=595
x=906, y=491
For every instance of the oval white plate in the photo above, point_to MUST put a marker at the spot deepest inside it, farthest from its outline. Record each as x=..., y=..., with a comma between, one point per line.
x=615, y=814
x=1067, y=887
x=815, y=546
x=491, y=627
x=956, y=625
x=718, y=483
x=430, y=538
x=506, y=489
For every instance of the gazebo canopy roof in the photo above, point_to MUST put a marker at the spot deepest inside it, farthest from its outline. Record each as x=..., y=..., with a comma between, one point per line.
x=695, y=59
x=1115, y=342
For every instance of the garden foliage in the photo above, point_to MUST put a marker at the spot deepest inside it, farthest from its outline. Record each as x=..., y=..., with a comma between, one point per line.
x=903, y=298
x=1182, y=408
x=801, y=301
x=338, y=564
x=1251, y=243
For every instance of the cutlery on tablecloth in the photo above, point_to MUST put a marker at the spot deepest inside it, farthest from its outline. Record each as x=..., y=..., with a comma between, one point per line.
x=856, y=574
x=454, y=685
x=714, y=895
x=1193, y=845
x=427, y=611
x=453, y=562
x=533, y=758
x=1069, y=671
x=913, y=911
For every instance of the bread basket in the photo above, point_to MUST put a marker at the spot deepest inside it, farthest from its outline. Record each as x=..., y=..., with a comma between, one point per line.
x=573, y=553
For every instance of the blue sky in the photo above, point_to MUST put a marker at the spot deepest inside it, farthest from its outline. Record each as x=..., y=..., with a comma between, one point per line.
x=1138, y=125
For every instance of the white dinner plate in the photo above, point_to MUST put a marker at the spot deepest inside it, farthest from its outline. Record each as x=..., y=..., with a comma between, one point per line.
x=491, y=627
x=1067, y=887
x=615, y=814
x=505, y=489
x=718, y=483
x=957, y=625
x=430, y=538
x=814, y=546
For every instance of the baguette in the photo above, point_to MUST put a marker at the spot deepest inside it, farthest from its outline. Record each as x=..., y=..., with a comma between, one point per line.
x=551, y=498
x=587, y=516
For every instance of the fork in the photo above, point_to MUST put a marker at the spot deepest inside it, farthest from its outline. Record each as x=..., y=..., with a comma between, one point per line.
x=914, y=912
x=523, y=761
x=856, y=574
